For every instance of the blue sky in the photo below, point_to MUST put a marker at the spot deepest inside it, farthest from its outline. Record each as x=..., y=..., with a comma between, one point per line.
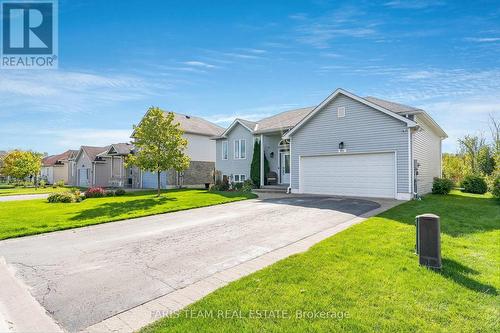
x=251, y=59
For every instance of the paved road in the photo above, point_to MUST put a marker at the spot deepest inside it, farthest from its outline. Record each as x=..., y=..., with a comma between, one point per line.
x=86, y=275
x=23, y=197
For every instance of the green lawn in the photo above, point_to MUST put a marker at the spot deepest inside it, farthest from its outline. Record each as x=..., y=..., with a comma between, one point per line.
x=7, y=190
x=28, y=217
x=369, y=275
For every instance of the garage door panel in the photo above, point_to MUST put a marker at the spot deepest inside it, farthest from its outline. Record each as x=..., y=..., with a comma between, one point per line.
x=371, y=175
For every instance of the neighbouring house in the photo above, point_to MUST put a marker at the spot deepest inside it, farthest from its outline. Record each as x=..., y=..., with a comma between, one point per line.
x=201, y=151
x=85, y=166
x=347, y=145
x=111, y=169
x=59, y=167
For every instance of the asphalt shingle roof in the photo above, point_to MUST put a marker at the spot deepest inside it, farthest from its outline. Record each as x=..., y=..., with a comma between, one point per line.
x=196, y=125
x=53, y=159
x=92, y=151
x=283, y=120
x=392, y=106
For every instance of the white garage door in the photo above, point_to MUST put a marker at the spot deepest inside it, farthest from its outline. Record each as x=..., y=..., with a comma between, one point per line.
x=364, y=175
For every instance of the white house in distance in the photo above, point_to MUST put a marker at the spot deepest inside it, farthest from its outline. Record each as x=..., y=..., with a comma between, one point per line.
x=347, y=145
x=58, y=167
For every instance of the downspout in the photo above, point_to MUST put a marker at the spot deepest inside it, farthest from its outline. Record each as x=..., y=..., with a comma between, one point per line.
x=289, y=189
x=261, y=160
x=93, y=173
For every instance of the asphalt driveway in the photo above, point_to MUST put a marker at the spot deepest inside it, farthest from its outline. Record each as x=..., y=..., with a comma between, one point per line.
x=86, y=275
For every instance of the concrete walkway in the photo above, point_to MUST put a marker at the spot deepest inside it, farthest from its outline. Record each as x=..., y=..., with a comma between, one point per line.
x=23, y=197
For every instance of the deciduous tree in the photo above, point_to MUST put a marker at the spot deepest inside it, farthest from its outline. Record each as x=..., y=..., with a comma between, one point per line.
x=160, y=144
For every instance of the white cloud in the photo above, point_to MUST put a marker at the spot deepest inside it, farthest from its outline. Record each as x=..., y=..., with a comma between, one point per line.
x=199, y=64
x=87, y=136
x=252, y=114
x=63, y=91
x=320, y=31
x=413, y=4
x=483, y=39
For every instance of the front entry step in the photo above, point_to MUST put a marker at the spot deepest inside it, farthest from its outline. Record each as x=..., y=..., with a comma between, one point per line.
x=271, y=189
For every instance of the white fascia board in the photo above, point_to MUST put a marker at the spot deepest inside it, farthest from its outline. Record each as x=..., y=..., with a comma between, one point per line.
x=234, y=123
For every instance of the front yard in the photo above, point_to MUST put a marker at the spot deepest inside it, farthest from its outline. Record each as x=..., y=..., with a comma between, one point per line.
x=7, y=190
x=367, y=279
x=28, y=217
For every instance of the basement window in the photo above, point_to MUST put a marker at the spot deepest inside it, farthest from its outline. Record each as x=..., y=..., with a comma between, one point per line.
x=341, y=112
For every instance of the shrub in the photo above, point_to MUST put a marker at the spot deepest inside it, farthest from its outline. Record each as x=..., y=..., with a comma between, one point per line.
x=120, y=191
x=95, y=192
x=59, y=183
x=247, y=186
x=42, y=183
x=66, y=197
x=474, y=184
x=237, y=186
x=496, y=188
x=110, y=193
x=442, y=186
x=219, y=186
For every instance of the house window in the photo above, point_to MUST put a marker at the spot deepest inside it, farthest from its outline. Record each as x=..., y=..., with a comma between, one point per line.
x=239, y=178
x=240, y=149
x=341, y=112
x=224, y=150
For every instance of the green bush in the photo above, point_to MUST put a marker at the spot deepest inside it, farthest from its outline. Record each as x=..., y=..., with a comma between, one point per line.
x=120, y=191
x=42, y=183
x=66, y=197
x=474, y=184
x=441, y=186
x=219, y=186
x=59, y=183
x=110, y=193
x=247, y=186
x=237, y=186
x=496, y=188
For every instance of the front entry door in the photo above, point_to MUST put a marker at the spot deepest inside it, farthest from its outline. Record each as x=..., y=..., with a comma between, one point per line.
x=285, y=167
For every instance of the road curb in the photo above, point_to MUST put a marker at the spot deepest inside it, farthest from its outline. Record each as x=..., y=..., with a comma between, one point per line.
x=20, y=311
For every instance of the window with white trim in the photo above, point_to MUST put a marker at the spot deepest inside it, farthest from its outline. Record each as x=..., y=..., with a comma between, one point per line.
x=239, y=178
x=240, y=149
x=341, y=112
x=224, y=150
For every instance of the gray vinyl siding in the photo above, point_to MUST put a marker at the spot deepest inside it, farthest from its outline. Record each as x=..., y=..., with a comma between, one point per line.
x=363, y=129
x=232, y=166
x=83, y=163
x=271, y=144
x=427, y=152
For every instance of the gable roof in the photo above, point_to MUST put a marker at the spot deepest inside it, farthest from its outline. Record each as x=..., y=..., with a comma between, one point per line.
x=392, y=106
x=280, y=122
x=92, y=151
x=56, y=159
x=194, y=125
x=409, y=122
x=405, y=109
x=122, y=148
